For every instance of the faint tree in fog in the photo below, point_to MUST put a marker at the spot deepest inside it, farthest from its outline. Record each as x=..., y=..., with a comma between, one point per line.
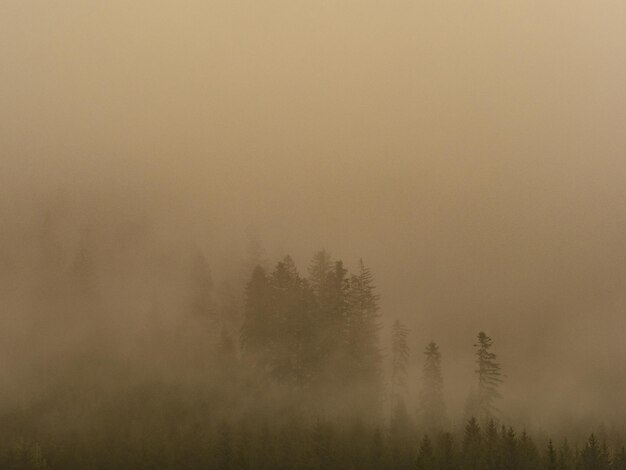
x=399, y=359
x=330, y=315
x=445, y=453
x=550, y=458
x=432, y=411
x=489, y=377
x=472, y=446
x=319, y=268
x=293, y=325
x=400, y=422
x=425, y=455
x=256, y=331
x=255, y=253
x=594, y=456
x=619, y=460
x=528, y=455
x=362, y=338
x=201, y=288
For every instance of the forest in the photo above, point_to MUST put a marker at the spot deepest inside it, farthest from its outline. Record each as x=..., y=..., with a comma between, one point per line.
x=288, y=370
x=318, y=235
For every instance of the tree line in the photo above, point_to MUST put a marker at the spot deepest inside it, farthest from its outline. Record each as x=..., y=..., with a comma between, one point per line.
x=295, y=375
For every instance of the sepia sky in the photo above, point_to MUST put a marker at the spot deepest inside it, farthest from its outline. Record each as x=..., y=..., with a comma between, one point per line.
x=472, y=152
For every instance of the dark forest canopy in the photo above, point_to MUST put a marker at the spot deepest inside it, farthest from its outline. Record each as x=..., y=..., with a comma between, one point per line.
x=274, y=369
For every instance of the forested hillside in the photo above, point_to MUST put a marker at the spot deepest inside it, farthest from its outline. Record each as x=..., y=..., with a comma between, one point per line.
x=281, y=369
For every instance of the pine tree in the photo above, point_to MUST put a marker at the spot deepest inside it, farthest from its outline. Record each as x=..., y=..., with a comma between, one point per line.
x=489, y=377
x=293, y=325
x=362, y=342
x=258, y=329
x=323, y=454
x=432, y=406
x=255, y=253
x=491, y=447
x=399, y=359
x=528, y=453
x=550, y=457
x=378, y=451
x=445, y=454
x=319, y=268
x=226, y=355
x=223, y=451
x=619, y=461
x=594, y=456
x=201, y=288
x=425, y=455
x=509, y=448
x=566, y=457
x=472, y=446
x=330, y=319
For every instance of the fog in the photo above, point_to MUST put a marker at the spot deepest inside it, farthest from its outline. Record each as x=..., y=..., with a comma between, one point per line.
x=472, y=153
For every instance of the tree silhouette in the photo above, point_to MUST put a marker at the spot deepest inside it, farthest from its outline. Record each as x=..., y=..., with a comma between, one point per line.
x=489, y=378
x=432, y=406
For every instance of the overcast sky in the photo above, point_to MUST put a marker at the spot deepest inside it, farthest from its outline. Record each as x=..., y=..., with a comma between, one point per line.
x=473, y=153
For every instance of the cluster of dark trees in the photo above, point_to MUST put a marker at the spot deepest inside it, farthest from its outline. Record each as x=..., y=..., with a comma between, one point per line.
x=319, y=335
x=288, y=442
x=288, y=372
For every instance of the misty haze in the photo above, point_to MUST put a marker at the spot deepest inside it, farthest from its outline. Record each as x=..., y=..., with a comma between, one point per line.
x=321, y=235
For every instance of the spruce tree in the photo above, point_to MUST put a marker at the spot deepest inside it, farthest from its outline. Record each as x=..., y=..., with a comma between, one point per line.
x=619, y=461
x=566, y=458
x=491, y=447
x=527, y=452
x=291, y=306
x=399, y=359
x=432, y=407
x=319, y=268
x=425, y=455
x=201, y=288
x=471, y=456
x=550, y=457
x=223, y=450
x=445, y=453
x=509, y=448
x=330, y=322
x=362, y=342
x=258, y=332
x=594, y=456
x=489, y=378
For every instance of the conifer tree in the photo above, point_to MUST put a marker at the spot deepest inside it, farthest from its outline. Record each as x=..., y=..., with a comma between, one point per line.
x=509, y=448
x=550, y=457
x=319, y=268
x=201, y=288
x=619, y=461
x=255, y=253
x=432, y=406
x=377, y=452
x=399, y=359
x=364, y=360
x=489, y=377
x=527, y=452
x=472, y=446
x=322, y=446
x=259, y=325
x=491, y=447
x=566, y=457
x=292, y=326
x=363, y=325
x=425, y=455
x=446, y=458
x=330, y=321
x=223, y=451
x=594, y=456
